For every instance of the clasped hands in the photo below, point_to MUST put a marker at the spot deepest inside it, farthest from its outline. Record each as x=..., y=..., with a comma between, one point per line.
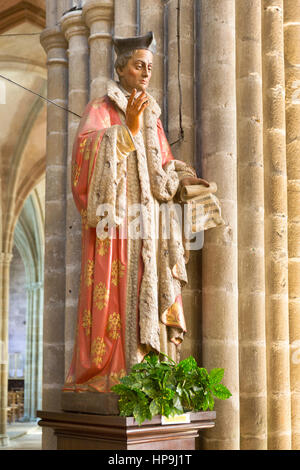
x=134, y=110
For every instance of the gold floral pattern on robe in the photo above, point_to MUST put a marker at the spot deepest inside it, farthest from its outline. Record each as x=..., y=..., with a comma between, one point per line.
x=117, y=271
x=75, y=173
x=114, y=325
x=89, y=273
x=101, y=295
x=98, y=350
x=102, y=246
x=87, y=321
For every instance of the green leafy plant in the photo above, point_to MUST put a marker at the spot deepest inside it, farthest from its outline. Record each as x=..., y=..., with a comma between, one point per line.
x=161, y=387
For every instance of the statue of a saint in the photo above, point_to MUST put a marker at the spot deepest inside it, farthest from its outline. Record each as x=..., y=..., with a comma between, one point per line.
x=130, y=292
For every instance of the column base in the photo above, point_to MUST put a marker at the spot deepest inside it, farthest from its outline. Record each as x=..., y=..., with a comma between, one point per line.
x=4, y=440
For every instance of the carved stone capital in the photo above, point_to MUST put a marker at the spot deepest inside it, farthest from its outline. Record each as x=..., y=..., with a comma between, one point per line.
x=97, y=10
x=72, y=24
x=53, y=38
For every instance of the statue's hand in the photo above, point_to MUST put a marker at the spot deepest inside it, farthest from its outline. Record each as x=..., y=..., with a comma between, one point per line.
x=192, y=180
x=134, y=110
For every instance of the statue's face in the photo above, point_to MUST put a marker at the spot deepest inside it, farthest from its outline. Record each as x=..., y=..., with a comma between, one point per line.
x=137, y=72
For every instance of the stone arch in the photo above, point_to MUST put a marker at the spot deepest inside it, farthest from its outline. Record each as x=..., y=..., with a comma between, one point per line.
x=29, y=240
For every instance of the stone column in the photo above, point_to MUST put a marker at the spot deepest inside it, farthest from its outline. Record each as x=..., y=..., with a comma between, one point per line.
x=4, y=270
x=125, y=21
x=180, y=89
x=220, y=257
x=55, y=45
x=292, y=83
x=76, y=34
x=152, y=20
x=252, y=343
x=98, y=15
x=33, y=369
x=276, y=248
x=125, y=18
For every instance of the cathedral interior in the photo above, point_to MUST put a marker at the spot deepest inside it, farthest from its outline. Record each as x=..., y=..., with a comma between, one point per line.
x=227, y=78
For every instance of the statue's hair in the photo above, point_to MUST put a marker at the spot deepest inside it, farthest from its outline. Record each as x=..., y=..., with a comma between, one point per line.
x=122, y=60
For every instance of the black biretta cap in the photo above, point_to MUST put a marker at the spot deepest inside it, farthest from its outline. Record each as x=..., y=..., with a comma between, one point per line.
x=123, y=45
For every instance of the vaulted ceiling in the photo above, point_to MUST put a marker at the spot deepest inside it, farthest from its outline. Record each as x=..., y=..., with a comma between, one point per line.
x=22, y=114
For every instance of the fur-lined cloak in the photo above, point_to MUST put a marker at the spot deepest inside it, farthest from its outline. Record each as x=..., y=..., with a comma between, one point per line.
x=130, y=289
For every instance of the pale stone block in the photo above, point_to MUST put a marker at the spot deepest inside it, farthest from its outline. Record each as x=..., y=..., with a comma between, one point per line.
x=273, y=28
x=274, y=151
x=253, y=443
x=278, y=373
x=218, y=42
x=251, y=187
x=252, y=315
x=222, y=273
x=276, y=314
x=277, y=191
x=215, y=92
x=293, y=122
x=253, y=418
x=291, y=10
x=249, y=97
x=251, y=270
x=294, y=199
x=219, y=319
x=274, y=109
x=218, y=133
x=277, y=275
x=251, y=228
x=294, y=314
x=273, y=71
x=279, y=419
x=253, y=359
x=292, y=86
x=292, y=44
x=294, y=278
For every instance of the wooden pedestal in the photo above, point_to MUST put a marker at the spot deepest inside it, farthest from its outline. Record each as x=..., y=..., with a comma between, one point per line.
x=83, y=431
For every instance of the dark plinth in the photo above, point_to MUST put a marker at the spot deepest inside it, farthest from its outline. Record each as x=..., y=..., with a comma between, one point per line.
x=84, y=431
x=90, y=402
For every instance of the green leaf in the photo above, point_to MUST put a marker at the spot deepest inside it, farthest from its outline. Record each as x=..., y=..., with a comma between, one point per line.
x=221, y=392
x=216, y=375
x=152, y=358
x=188, y=364
x=141, y=412
x=155, y=408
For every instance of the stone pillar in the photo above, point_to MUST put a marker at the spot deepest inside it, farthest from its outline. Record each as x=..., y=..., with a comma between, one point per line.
x=292, y=83
x=55, y=45
x=152, y=20
x=276, y=248
x=4, y=270
x=180, y=81
x=252, y=342
x=76, y=34
x=98, y=15
x=220, y=257
x=125, y=19
x=34, y=350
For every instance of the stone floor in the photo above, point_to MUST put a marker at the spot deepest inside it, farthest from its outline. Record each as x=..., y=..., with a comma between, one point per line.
x=24, y=436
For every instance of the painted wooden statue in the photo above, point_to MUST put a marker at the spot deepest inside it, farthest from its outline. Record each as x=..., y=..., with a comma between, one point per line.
x=130, y=291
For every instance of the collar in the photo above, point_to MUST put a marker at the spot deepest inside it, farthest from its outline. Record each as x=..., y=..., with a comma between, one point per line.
x=119, y=96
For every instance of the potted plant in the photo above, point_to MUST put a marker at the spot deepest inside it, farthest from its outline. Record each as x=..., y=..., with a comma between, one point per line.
x=159, y=386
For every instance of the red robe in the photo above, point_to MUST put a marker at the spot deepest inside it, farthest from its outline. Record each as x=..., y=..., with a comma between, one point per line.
x=99, y=358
